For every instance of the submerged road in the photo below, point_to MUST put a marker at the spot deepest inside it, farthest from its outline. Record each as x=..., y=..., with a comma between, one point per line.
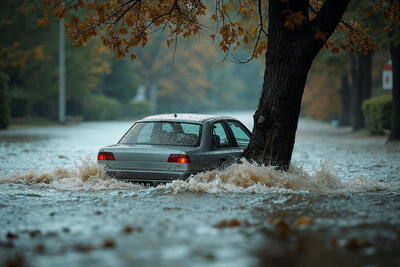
x=339, y=205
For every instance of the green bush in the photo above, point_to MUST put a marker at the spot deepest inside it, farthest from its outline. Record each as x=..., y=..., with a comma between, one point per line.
x=4, y=102
x=137, y=110
x=100, y=107
x=377, y=113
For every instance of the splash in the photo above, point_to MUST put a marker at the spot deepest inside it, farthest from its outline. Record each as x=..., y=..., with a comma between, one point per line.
x=246, y=177
x=85, y=176
x=243, y=177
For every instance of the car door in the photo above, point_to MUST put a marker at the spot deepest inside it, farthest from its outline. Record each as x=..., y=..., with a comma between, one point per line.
x=224, y=148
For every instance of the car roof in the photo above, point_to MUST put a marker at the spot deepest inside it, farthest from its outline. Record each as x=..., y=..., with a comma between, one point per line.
x=185, y=117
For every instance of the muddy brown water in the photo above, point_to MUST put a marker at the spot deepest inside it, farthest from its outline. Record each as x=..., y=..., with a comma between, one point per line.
x=339, y=205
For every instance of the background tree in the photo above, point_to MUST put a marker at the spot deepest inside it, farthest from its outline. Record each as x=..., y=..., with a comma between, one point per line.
x=395, y=129
x=4, y=106
x=97, y=81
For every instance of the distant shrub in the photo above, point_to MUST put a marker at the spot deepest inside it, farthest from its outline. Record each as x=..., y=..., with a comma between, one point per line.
x=377, y=113
x=101, y=107
x=137, y=110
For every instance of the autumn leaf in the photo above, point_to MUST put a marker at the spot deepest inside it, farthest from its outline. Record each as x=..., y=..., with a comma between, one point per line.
x=294, y=20
x=43, y=22
x=123, y=31
x=320, y=36
x=303, y=221
x=229, y=223
x=335, y=50
x=38, y=52
x=387, y=28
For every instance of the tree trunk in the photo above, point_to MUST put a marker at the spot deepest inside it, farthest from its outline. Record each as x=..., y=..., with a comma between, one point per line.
x=395, y=130
x=4, y=101
x=362, y=84
x=354, y=88
x=345, y=99
x=288, y=60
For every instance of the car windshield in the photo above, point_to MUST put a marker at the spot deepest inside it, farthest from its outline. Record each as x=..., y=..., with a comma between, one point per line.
x=163, y=133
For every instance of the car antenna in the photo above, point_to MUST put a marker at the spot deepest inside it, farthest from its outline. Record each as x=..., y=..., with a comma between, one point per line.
x=175, y=115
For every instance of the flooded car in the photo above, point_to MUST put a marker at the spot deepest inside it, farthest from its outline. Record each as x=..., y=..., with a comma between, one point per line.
x=167, y=147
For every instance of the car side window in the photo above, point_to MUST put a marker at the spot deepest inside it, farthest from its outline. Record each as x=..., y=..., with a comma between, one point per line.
x=240, y=134
x=220, y=136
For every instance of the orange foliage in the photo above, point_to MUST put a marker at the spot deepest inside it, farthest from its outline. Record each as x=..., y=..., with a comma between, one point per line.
x=321, y=99
x=127, y=24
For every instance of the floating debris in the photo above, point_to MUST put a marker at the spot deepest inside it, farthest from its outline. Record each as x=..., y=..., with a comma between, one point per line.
x=230, y=223
x=130, y=229
x=108, y=243
x=303, y=221
x=11, y=235
x=83, y=247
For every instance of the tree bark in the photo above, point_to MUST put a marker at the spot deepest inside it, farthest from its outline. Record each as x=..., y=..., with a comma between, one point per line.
x=4, y=101
x=395, y=129
x=345, y=99
x=288, y=60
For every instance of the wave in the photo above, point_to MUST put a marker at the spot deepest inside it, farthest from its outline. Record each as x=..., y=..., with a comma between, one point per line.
x=243, y=177
x=246, y=177
x=85, y=176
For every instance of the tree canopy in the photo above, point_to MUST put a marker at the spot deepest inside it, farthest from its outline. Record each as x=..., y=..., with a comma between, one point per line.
x=125, y=24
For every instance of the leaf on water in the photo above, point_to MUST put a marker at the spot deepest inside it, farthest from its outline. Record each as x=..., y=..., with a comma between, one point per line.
x=11, y=235
x=171, y=208
x=108, y=243
x=357, y=243
x=303, y=221
x=83, y=247
x=229, y=223
x=130, y=229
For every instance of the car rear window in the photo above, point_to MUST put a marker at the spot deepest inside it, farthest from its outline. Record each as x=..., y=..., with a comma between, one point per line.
x=163, y=133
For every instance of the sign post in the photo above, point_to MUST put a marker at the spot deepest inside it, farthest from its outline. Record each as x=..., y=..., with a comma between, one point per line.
x=387, y=76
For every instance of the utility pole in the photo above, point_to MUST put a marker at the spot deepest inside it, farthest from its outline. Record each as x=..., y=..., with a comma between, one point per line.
x=61, y=73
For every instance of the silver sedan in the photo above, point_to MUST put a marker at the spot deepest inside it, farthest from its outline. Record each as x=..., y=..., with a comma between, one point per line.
x=162, y=148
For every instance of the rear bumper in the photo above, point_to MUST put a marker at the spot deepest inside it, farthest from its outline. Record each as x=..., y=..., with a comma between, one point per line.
x=148, y=176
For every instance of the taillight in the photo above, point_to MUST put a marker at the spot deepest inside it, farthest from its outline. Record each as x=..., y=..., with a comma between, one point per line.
x=105, y=156
x=179, y=158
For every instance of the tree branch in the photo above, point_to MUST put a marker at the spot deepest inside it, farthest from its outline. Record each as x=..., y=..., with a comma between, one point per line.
x=329, y=16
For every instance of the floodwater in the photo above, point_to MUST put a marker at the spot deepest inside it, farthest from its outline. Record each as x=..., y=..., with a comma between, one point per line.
x=339, y=205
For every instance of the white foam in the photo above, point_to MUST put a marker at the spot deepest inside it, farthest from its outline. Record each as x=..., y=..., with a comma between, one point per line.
x=243, y=177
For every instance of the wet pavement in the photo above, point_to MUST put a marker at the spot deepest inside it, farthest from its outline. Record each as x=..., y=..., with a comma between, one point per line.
x=339, y=205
